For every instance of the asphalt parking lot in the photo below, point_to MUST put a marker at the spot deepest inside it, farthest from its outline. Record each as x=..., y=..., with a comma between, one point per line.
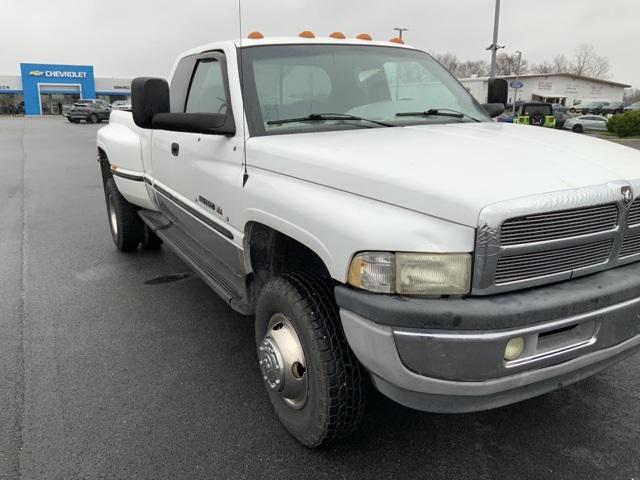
x=111, y=370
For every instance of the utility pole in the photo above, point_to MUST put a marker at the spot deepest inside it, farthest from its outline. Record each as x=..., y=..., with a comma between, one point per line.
x=400, y=30
x=515, y=90
x=494, y=47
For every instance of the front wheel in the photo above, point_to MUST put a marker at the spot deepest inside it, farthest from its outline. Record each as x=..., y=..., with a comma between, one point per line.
x=578, y=128
x=127, y=228
x=312, y=377
x=93, y=118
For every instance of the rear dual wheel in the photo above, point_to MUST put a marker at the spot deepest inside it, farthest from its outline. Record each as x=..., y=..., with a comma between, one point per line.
x=128, y=230
x=313, y=380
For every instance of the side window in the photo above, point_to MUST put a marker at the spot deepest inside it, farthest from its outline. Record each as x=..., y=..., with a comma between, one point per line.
x=206, y=93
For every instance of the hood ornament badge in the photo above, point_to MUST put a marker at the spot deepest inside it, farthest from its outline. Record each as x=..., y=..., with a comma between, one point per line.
x=627, y=194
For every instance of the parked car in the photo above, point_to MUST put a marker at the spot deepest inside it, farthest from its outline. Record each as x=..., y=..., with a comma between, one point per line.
x=561, y=118
x=592, y=108
x=634, y=107
x=89, y=111
x=121, y=105
x=611, y=109
x=539, y=114
x=373, y=234
x=586, y=122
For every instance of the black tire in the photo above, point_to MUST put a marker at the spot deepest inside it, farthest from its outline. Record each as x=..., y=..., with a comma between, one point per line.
x=69, y=118
x=334, y=404
x=578, y=128
x=93, y=118
x=75, y=121
x=150, y=241
x=127, y=228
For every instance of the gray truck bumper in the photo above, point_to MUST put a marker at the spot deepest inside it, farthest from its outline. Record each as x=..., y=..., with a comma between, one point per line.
x=437, y=365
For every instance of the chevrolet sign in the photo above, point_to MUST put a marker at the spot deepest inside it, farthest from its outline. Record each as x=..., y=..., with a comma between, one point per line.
x=57, y=74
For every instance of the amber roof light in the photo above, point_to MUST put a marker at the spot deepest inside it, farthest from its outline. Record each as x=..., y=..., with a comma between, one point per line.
x=338, y=35
x=397, y=40
x=306, y=34
x=364, y=36
x=255, y=36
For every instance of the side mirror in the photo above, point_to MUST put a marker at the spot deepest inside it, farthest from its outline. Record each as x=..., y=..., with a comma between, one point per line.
x=206, y=123
x=498, y=91
x=494, y=109
x=149, y=96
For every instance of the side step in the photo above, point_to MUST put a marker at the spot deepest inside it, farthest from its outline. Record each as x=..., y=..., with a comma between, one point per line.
x=194, y=255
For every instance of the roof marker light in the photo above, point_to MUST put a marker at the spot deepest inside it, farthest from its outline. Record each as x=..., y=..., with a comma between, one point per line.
x=306, y=34
x=255, y=36
x=364, y=36
x=338, y=35
x=397, y=40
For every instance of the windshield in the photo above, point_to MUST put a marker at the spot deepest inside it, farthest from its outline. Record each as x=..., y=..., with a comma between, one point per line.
x=370, y=82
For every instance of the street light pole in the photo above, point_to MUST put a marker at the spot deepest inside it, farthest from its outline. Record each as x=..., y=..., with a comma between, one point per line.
x=400, y=30
x=494, y=46
x=515, y=90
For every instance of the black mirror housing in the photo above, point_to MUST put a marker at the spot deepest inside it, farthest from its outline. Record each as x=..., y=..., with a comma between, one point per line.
x=498, y=91
x=494, y=109
x=149, y=96
x=205, y=123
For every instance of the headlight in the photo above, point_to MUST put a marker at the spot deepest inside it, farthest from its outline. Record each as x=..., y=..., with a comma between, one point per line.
x=412, y=273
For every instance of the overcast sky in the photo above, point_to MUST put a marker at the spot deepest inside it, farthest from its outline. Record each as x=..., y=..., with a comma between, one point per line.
x=129, y=38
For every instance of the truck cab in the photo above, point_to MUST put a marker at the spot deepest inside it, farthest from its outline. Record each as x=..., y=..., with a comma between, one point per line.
x=365, y=210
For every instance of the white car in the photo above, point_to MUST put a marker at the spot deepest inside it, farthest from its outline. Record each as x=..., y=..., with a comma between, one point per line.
x=121, y=105
x=355, y=199
x=586, y=122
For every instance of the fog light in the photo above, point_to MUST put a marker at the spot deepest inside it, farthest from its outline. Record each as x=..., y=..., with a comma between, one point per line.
x=514, y=349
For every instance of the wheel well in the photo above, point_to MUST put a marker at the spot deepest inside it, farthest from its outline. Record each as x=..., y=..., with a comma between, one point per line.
x=105, y=166
x=273, y=253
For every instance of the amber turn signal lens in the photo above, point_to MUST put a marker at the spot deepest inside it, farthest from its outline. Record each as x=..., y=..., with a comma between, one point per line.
x=255, y=36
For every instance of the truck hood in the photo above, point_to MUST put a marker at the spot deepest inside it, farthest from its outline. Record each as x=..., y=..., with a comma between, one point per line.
x=449, y=171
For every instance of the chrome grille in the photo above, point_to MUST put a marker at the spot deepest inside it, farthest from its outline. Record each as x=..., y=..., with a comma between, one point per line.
x=535, y=240
x=529, y=266
x=631, y=245
x=634, y=213
x=559, y=224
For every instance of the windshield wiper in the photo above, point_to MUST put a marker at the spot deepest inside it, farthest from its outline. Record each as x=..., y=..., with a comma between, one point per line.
x=437, y=112
x=320, y=117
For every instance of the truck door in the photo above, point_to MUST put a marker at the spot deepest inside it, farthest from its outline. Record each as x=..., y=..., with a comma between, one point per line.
x=198, y=177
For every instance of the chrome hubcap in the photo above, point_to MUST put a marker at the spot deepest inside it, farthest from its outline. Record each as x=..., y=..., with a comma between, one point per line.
x=112, y=216
x=282, y=362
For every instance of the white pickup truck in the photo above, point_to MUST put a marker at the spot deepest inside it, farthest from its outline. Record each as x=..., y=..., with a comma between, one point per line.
x=358, y=201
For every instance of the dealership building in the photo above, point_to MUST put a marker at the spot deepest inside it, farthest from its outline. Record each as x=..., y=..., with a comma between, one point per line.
x=562, y=88
x=42, y=88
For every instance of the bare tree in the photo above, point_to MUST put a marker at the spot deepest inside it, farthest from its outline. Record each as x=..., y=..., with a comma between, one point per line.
x=470, y=68
x=632, y=95
x=560, y=64
x=507, y=64
x=587, y=62
x=581, y=59
x=544, y=67
x=449, y=61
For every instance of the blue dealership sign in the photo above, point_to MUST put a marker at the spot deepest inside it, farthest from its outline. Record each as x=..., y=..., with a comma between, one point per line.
x=516, y=84
x=40, y=76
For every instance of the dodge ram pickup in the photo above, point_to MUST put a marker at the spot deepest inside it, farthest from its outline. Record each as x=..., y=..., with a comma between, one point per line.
x=379, y=226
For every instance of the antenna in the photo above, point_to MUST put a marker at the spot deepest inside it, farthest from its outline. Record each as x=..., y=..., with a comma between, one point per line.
x=245, y=173
x=400, y=31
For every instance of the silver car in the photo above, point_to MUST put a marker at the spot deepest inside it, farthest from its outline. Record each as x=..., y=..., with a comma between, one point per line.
x=586, y=122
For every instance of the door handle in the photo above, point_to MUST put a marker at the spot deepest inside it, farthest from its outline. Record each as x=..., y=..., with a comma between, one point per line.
x=175, y=149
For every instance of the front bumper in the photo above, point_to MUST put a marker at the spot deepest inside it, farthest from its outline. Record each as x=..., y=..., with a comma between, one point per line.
x=447, y=355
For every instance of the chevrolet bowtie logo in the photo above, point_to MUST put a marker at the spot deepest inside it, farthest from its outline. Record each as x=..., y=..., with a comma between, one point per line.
x=36, y=73
x=627, y=194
